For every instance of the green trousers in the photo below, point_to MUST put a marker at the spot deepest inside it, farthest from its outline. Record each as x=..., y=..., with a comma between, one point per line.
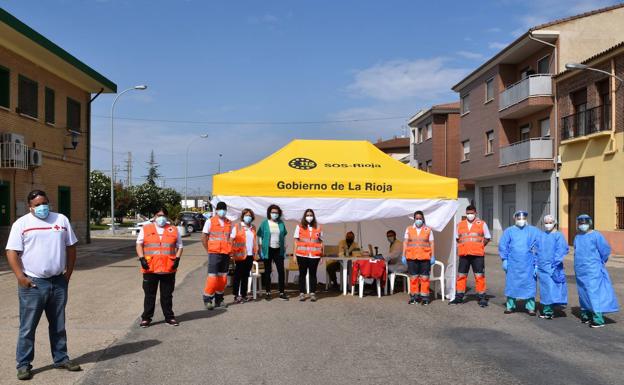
x=529, y=304
x=597, y=318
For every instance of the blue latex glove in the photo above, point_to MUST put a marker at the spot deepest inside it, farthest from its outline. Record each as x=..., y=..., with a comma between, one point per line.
x=404, y=260
x=505, y=265
x=535, y=271
x=433, y=260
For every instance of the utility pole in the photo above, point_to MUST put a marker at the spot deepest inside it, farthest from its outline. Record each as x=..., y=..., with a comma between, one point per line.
x=128, y=170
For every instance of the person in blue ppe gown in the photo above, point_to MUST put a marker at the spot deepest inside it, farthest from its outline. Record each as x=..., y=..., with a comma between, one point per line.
x=552, y=249
x=518, y=251
x=591, y=253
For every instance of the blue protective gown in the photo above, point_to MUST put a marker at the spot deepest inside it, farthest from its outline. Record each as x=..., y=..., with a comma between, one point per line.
x=552, y=249
x=591, y=252
x=519, y=247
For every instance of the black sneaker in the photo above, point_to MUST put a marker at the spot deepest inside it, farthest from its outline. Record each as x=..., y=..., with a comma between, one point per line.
x=238, y=299
x=209, y=304
x=585, y=320
x=545, y=316
x=267, y=296
x=145, y=323
x=425, y=302
x=412, y=300
x=595, y=325
x=283, y=297
x=220, y=305
x=483, y=302
x=457, y=301
x=69, y=365
x=24, y=373
x=172, y=322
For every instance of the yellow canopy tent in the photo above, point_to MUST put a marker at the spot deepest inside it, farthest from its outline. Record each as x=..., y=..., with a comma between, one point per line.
x=352, y=183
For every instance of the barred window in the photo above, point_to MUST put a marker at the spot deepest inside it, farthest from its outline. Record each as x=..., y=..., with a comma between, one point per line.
x=619, y=213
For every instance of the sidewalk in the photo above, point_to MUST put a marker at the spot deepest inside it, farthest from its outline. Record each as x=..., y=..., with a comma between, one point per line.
x=105, y=300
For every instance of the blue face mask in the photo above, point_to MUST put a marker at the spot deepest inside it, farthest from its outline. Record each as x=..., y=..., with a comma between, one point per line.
x=584, y=227
x=247, y=219
x=274, y=216
x=418, y=222
x=161, y=221
x=221, y=213
x=42, y=211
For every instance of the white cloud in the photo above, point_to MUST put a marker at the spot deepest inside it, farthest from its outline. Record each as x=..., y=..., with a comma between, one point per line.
x=471, y=55
x=496, y=45
x=493, y=30
x=267, y=18
x=402, y=79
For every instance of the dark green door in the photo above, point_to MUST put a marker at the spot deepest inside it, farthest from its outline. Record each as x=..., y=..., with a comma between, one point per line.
x=5, y=204
x=64, y=201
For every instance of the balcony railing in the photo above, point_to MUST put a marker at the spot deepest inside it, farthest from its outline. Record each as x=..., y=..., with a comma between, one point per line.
x=13, y=155
x=531, y=149
x=586, y=122
x=534, y=85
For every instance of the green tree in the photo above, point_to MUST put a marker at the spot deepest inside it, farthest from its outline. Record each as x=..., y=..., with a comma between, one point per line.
x=169, y=197
x=146, y=198
x=124, y=201
x=152, y=172
x=99, y=195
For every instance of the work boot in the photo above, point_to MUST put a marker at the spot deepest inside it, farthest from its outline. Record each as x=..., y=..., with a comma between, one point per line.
x=24, y=373
x=69, y=365
x=425, y=302
x=267, y=296
x=483, y=302
x=459, y=299
x=412, y=300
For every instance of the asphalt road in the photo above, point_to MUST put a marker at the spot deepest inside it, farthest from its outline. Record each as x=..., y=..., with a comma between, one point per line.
x=346, y=340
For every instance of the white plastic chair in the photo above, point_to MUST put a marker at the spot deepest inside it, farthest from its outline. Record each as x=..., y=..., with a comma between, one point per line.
x=360, y=283
x=438, y=278
x=254, y=282
x=392, y=278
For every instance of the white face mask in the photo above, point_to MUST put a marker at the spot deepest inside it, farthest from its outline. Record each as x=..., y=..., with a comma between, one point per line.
x=470, y=217
x=520, y=222
x=549, y=226
x=309, y=218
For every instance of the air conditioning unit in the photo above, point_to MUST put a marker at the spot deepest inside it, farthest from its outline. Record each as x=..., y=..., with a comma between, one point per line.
x=35, y=158
x=13, y=146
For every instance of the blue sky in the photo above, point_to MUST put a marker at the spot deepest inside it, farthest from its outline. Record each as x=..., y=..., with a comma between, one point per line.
x=228, y=65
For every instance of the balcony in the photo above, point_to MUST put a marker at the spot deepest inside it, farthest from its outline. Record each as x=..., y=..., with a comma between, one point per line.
x=13, y=155
x=526, y=97
x=527, y=150
x=583, y=123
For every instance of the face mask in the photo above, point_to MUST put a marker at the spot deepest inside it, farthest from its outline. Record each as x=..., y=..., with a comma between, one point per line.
x=221, y=213
x=418, y=222
x=549, y=226
x=584, y=227
x=274, y=216
x=247, y=219
x=470, y=217
x=161, y=221
x=520, y=222
x=309, y=219
x=42, y=211
x=391, y=239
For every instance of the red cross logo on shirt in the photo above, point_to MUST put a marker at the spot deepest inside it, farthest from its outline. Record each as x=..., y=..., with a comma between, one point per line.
x=56, y=227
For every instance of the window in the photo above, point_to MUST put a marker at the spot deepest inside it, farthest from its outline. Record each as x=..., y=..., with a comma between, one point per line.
x=465, y=150
x=619, y=201
x=429, y=131
x=489, y=142
x=27, y=96
x=429, y=165
x=489, y=90
x=5, y=87
x=543, y=65
x=545, y=127
x=421, y=134
x=49, y=105
x=605, y=101
x=465, y=104
x=420, y=165
x=73, y=114
x=525, y=132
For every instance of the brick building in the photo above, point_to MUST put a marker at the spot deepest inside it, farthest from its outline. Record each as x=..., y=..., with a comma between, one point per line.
x=508, y=125
x=591, y=114
x=45, y=96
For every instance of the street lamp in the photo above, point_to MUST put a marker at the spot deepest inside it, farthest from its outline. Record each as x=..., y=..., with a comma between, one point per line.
x=203, y=136
x=581, y=67
x=140, y=87
x=219, y=169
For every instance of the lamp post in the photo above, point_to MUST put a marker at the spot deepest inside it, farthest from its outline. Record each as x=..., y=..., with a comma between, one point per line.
x=581, y=67
x=203, y=136
x=219, y=169
x=140, y=87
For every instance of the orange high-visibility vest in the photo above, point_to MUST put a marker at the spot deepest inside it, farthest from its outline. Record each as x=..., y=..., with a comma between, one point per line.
x=219, y=237
x=239, y=245
x=309, y=245
x=471, y=242
x=160, y=253
x=418, y=245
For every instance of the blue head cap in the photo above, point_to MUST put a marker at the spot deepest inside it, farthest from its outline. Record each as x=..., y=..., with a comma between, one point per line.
x=584, y=218
x=521, y=214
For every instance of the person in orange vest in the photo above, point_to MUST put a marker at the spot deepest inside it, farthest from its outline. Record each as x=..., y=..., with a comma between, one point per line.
x=159, y=247
x=216, y=240
x=244, y=251
x=472, y=237
x=308, y=251
x=418, y=255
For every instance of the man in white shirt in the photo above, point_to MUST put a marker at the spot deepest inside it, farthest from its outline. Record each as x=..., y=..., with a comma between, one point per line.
x=41, y=252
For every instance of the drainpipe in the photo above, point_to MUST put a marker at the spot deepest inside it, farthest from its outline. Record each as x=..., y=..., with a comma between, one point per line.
x=556, y=125
x=88, y=144
x=613, y=148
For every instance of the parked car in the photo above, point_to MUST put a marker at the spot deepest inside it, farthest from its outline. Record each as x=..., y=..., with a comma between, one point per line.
x=192, y=221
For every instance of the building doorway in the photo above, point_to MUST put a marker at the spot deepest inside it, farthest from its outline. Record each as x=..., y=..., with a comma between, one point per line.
x=540, y=202
x=5, y=204
x=508, y=205
x=487, y=206
x=580, y=201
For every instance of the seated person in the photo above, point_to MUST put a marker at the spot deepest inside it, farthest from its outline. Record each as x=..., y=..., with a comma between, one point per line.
x=395, y=252
x=346, y=248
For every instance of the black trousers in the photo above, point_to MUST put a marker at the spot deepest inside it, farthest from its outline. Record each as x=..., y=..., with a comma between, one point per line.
x=241, y=274
x=477, y=263
x=150, y=287
x=274, y=257
x=418, y=267
x=307, y=266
